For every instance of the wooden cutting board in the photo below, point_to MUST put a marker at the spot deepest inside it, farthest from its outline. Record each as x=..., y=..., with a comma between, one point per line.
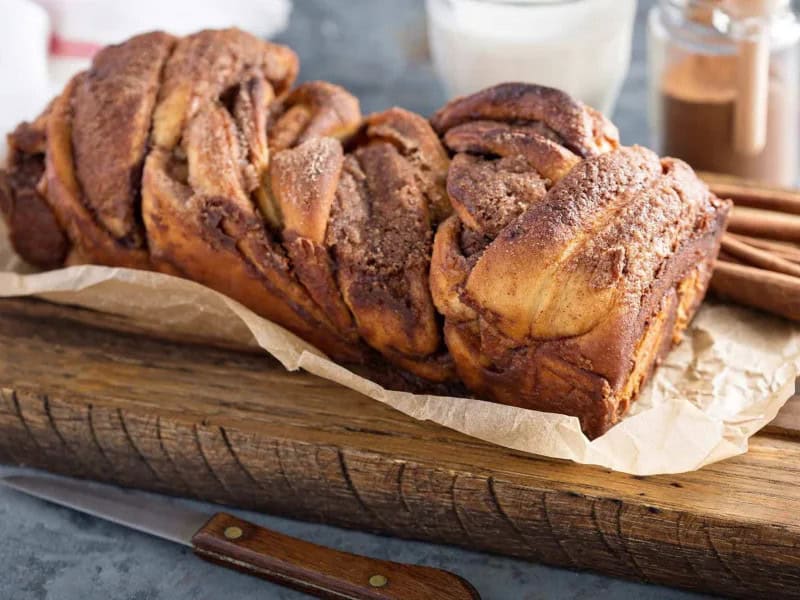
x=81, y=397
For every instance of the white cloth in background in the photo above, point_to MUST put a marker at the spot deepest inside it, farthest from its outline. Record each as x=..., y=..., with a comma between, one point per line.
x=24, y=84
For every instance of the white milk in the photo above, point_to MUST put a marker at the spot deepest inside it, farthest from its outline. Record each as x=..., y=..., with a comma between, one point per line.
x=580, y=46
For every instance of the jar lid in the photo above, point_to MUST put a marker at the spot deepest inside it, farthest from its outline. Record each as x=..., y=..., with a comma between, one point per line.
x=702, y=11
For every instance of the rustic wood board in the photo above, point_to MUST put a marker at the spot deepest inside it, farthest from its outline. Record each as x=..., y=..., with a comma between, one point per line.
x=81, y=399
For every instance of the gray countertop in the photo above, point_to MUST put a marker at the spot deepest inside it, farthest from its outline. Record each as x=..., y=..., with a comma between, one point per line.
x=54, y=553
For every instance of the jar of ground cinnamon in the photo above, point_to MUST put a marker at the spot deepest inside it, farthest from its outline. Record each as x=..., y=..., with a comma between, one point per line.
x=724, y=80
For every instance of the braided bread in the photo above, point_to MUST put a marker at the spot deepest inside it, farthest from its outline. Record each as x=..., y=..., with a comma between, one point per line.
x=510, y=245
x=571, y=265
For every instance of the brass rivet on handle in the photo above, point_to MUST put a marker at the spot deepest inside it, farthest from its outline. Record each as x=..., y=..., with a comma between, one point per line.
x=378, y=580
x=233, y=533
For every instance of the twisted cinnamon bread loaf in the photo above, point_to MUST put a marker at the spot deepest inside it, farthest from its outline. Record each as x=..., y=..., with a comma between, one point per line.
x=542, y=266
x=571, y=266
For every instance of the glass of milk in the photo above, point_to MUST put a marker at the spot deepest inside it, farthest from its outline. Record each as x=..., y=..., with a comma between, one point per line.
x=580, y=46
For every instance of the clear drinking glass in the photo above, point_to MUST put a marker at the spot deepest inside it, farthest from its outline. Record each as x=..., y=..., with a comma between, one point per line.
x=580, y=46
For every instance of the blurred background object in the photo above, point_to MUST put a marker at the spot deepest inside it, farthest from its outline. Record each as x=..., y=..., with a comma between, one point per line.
x=24, y=30
x=724, y=78
x=580, y=46
x=80, y=27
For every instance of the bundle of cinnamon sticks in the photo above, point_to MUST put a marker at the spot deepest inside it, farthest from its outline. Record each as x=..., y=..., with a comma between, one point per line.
x=759, y=264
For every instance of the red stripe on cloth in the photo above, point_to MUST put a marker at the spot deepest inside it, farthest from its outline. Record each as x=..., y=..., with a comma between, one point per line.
x=72, y=48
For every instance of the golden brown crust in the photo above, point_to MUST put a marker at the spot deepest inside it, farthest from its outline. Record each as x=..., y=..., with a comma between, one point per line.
x=109, y=139
x=562, y=376
x=413, y=138
x=532, y=143
x=449, y=271
x=94, y=151
x=34, y=231
x=381, y=231
x=503, y=168
x=304, y=181
x=383, y=252
x=91, y=243
x=546, y=266
x=488, y=194
x=563, y=279
x=358, y=230
x=249, y=106
x=313, y=110
x=206, y=204
x=512, y=143
x=199, y=108
x=557, y=280
x=570, y=307
x=580, y=129
x=196, y=233
x=206, y=65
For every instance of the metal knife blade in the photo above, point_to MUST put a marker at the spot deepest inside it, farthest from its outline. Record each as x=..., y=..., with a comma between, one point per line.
x=136, y=510
x=237, y=544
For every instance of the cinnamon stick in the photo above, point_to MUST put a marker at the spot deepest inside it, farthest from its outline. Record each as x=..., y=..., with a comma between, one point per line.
x=759, y=263
x=765, y=224
x=724, y=256
x=775, y=293
x=782, y=249
x=754, y=195
x=756, y=257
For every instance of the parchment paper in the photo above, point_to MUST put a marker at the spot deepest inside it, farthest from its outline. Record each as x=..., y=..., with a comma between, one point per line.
x=729, y=377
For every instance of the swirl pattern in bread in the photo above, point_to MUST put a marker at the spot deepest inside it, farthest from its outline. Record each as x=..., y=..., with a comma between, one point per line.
x=509, y=245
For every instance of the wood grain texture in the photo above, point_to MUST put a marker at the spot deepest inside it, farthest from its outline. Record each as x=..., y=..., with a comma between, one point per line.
x=235, y=428
x=321, y=572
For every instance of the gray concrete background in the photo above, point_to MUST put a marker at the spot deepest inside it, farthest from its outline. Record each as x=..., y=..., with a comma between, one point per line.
x=376, y=49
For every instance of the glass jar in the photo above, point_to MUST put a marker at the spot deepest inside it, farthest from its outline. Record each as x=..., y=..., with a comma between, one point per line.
x=580, y=46
x=724, y=78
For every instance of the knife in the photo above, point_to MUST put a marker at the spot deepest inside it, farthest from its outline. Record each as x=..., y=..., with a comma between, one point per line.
x=231, y=542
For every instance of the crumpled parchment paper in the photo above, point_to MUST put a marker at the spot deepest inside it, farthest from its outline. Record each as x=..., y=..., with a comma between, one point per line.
x=734, y=370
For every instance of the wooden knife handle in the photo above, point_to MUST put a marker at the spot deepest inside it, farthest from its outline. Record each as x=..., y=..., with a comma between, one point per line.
x=320, y=571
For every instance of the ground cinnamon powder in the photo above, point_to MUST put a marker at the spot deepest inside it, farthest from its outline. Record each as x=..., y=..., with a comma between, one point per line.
x=698, y=95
